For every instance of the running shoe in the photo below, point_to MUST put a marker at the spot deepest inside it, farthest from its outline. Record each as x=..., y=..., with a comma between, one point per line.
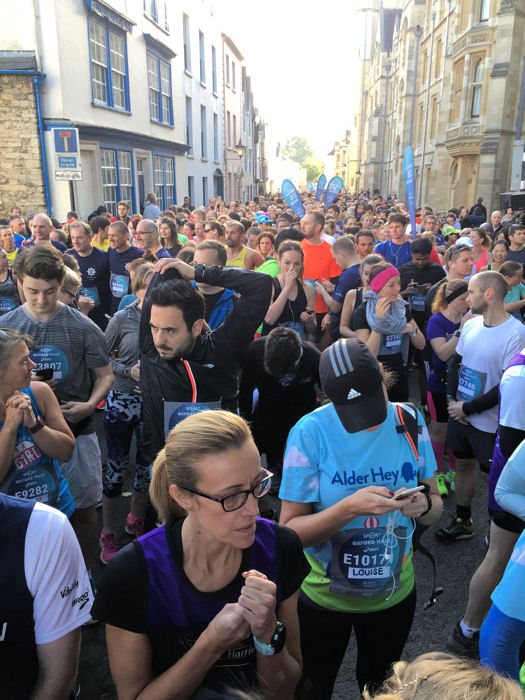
x=441, y=484
x=108, y=546
x=134, y=526
x=450, y=478
x=457, y=530
x=522, y=678
x=461, y=645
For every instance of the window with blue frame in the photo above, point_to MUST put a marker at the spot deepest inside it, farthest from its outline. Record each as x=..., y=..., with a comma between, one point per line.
x=109, y=65
x=157, y=11
x=164, y=180
x=117, y=178
x=160, y=94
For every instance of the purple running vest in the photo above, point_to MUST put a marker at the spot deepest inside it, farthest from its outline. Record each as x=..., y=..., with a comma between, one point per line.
x=177, y=612
x=498, y=459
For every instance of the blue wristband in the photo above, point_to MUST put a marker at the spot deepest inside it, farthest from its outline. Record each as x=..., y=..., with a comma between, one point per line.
x=262, y=648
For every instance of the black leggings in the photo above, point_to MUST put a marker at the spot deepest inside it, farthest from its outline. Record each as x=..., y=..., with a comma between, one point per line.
x=325, y=634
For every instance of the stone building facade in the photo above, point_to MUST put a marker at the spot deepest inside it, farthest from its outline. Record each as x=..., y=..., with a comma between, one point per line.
x=445, y=77
x=21, y=181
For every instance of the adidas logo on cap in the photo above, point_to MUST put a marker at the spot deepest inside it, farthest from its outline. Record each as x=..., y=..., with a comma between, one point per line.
x=353, y=394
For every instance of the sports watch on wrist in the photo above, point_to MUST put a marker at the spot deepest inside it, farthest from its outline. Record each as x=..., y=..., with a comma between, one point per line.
x=457, y=334
x=276, y=644
x=37, y=426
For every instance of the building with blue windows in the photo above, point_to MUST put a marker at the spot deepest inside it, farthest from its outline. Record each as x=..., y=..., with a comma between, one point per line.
x=120, y=98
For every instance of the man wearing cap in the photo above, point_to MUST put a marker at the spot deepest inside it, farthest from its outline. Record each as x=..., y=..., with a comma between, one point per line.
x=343, y=464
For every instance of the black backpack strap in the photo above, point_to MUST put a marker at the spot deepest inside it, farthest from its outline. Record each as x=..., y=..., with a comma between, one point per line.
x=406, y=420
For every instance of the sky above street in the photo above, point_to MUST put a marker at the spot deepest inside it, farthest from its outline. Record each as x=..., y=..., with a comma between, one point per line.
x=304, y=61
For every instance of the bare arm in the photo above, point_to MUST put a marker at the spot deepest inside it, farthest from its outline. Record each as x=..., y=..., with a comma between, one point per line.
x=444, y=349
x=57, y=667
x=280, y=673
x=277, y=306
x=253, y=259
x=333, y=306
x=75, y=411
x=372, y=339
x=418, y=340
x=56, y=439
x=314, y=528
x=346, y=315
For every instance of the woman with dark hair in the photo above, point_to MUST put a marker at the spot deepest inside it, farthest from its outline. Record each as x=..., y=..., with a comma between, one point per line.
x=449, y=308
x=214, y=231
x=169, y=236
x=384, y=322
x=354, y=297
x=292, y=300
x=499, y=251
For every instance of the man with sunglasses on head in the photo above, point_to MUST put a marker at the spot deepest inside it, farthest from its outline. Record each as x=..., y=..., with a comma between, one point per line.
x=458, y=266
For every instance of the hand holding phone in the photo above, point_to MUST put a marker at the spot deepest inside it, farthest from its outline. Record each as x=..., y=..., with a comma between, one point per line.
x=408, y=492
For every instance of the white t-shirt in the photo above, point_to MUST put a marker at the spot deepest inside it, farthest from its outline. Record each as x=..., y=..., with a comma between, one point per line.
x=55, y=575
x=329, y=239
x=512, y=405
x=486, y=352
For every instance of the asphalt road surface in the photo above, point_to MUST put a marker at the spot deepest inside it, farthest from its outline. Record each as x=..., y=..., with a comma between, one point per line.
x=455, y=565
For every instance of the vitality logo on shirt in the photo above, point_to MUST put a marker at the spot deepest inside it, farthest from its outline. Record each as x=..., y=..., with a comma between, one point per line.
x=69, y=589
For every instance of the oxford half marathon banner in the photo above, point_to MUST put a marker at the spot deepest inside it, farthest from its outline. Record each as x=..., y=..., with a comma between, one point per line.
x=293, y=198
x=334, y=187
x=321, y=184
x=410, y=184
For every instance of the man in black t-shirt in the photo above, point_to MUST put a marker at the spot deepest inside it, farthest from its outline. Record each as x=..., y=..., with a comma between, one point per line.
x=517, y=244
x=417, y=277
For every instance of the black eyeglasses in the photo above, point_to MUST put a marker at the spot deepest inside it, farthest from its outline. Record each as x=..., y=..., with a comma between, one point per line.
x=236, y=500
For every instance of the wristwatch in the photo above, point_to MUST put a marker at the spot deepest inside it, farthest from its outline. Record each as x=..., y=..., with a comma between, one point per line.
x=457, y=334
x=426, y=493
x=276, y=644
x=37, y=426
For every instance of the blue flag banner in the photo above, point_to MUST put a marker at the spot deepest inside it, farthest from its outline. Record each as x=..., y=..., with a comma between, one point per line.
x=410, y=184
x=321, y=184
x=292, y=198
x=310, y=187
x=334, y=187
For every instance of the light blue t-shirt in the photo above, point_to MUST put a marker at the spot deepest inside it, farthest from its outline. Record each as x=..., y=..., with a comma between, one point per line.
x=367, y=566
x=510, y=494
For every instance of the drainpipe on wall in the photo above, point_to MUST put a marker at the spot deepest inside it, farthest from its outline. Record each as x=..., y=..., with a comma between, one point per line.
x=38, y=79
x=417, y=33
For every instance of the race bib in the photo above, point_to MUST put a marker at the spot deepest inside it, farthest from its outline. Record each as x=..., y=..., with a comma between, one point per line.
x=175, y=411
x=471, y=383
x=32, y=475
x=393, y=341
x=417, y=301
x=119, y=285
x=92, y=293
x=6, y=304
x=52, y=357
x=367, y=562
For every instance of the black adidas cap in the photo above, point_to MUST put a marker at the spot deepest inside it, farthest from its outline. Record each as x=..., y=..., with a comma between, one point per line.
x=351, y=378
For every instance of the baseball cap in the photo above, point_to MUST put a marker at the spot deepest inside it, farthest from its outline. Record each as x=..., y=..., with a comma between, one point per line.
x=351, y=378
x=448, y=230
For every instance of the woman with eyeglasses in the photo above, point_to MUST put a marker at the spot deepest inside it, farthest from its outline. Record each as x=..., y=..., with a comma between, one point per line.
x=214, y=231
x=213, y=605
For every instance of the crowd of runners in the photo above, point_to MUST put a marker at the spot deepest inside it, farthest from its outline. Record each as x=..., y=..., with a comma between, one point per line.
x=254, y=357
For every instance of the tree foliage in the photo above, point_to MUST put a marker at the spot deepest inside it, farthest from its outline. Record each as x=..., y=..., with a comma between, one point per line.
x=298, y=149
x=314, y=168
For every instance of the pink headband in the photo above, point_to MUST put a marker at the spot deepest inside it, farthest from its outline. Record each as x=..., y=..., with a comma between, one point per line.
x=382, y=278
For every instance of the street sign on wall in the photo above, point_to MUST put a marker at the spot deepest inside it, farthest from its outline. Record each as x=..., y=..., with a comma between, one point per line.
x=67, y=153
